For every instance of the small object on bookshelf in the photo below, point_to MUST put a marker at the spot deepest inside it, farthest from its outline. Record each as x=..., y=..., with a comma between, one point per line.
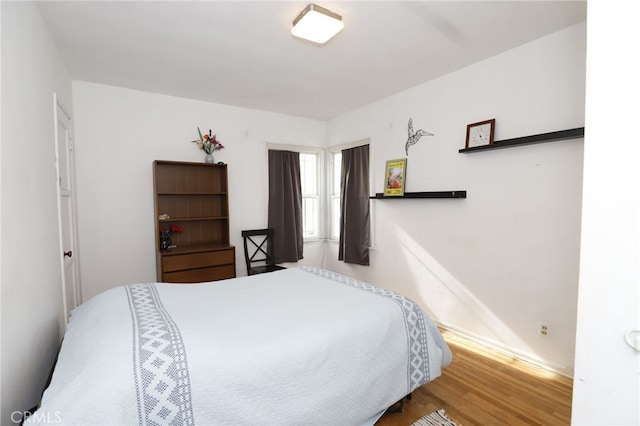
x=209, y=143
x=395, y=173
x=480, y=133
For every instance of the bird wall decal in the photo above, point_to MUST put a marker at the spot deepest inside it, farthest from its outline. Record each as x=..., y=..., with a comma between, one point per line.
x=414, y=137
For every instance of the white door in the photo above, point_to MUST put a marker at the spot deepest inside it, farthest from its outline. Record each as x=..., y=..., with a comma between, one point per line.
x=66, y=208
x=607, y=370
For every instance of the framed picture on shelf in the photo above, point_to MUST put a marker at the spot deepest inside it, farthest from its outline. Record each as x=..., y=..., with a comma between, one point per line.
x=481, y=133
x=394, y=177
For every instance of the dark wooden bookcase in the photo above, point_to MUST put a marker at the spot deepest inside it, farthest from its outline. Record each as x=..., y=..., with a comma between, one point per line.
x=195, y=197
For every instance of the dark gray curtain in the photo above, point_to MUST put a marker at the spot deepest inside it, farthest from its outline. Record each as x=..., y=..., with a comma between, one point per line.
x=355, y=234
x=285, y=205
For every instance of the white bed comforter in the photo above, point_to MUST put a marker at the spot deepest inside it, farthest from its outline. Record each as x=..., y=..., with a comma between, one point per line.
x=301, y=346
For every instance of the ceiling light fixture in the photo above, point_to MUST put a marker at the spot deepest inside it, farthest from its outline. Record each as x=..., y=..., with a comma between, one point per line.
x=317, y=24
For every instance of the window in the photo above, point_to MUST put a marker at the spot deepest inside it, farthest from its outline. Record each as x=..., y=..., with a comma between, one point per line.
x=310, y=182
x=320, y=178
x=334, y=194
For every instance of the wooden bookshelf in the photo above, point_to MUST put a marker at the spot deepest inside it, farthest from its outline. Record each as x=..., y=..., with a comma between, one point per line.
x=195, y=199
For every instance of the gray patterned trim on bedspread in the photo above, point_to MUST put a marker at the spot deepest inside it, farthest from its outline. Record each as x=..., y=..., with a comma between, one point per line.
x=418, y=366
x=160, y=368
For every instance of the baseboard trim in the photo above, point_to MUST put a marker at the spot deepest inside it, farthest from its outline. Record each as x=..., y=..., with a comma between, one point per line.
x=508, y=351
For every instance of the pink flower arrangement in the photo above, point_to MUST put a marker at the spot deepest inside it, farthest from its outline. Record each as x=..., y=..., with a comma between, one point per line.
x=208, y=143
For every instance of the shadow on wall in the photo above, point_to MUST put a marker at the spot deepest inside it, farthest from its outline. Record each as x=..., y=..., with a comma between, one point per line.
x=440, y=280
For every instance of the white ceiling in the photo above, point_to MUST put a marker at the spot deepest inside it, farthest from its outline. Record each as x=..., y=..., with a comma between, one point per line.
x=242, y=53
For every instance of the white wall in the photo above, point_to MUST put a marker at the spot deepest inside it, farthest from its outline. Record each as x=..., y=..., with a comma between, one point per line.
x=607, y=371
x=498, y=263
x=120, y=132
x=32, y=316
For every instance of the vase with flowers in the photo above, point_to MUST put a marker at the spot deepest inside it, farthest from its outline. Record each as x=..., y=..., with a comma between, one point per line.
x=165, y=236
x=209, y=143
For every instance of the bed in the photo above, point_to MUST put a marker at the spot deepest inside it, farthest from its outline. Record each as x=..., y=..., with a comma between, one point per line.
x=298, y=346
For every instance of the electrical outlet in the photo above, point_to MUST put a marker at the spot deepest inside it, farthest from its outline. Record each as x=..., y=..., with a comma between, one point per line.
x=543, y=329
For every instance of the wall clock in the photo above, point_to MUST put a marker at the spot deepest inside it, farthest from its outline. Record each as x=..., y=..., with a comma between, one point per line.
x=481, y=133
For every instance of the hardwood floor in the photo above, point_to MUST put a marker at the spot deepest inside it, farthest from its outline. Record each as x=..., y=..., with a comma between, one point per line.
x=482, y=387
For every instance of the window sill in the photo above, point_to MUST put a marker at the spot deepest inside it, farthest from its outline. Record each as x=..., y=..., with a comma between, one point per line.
x=336, y=242
x=312, y=240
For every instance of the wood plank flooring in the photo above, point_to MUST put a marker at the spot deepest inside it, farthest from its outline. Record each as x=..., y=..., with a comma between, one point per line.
x=482, y=387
